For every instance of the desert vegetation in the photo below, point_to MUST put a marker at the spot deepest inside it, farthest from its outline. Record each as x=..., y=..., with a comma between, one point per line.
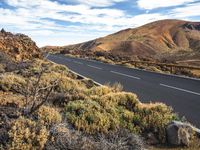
x=45, y=106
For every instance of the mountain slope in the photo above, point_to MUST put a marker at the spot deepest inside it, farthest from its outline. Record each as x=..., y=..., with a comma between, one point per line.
x=165, y=40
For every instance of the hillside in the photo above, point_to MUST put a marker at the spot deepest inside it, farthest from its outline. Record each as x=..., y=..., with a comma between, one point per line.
x=18, y=46
x=165, y=40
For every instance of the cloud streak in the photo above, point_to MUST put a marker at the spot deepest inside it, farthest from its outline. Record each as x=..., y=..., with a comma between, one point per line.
x=99, y=3
x=153, y=4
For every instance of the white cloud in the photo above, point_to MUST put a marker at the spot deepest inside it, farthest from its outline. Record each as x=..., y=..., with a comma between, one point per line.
x=152, y=4
x=29, y=17
x=61, y=39
x=38, y=19
x=99, y=3
x=187, y=11
x=146, y=18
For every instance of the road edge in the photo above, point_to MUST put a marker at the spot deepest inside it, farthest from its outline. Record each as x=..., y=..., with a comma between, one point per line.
x=79, y=75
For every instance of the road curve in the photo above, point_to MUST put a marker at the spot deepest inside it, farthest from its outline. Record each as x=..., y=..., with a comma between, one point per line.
x=183, y=94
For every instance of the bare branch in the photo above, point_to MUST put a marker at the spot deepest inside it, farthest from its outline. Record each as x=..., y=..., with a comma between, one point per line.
x=36, y=94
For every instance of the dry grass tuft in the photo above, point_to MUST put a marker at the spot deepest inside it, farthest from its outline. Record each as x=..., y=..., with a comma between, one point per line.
x=48, y=116
x=12, y=82
x=27, y=134
x=10, y=99
x=65, y=138
x=90, y=117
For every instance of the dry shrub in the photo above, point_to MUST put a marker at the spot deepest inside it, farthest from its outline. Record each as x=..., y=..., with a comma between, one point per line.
x=113, y=110
x=58, y=68
x=61, y=99
x=116, y=87
x=122, y=105
x=66, y=84
x=129, y=65
x=154, y=117
x=183, y=71
x=37, y=65
x=124, y=99
x=89, y=116
x=52, y=67
x=71, y=85
x=12, y=82
x=88, y=82
x=48, y=116
x=2, y=68
x=27, y=134
x=65, y=138
x=99, y=91
x=155, y=69
x=102, y=114
x=34, y=68
x=196, y=73
x=10, y=99
x=121, y=139
x=103, y=59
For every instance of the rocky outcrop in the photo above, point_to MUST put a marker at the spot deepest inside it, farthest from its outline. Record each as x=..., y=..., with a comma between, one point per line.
x=192, y=26
x=18, y=46
x=181, y=134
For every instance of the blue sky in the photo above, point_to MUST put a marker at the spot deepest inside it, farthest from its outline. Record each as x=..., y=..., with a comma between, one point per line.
x=63, y=22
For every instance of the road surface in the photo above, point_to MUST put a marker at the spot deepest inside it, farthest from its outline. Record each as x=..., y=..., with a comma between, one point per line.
x=183, y=94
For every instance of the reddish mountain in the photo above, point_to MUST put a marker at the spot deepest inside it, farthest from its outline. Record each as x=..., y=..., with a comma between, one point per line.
x=165, y=40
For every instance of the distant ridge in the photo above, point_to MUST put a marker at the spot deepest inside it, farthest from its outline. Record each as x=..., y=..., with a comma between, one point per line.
x=164, y=40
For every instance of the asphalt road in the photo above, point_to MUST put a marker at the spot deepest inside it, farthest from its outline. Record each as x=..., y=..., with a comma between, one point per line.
x=183, y=94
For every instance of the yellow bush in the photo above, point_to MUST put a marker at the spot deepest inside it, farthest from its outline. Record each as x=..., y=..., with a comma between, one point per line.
x=117, y=87
x=2, y=68
x=103, y=113
x=154, y=117
x=66, y=84
x=155, y=69
x=37, y=65
x=121, y=109
x=7, y=98
x=89, y=116
x=12, y=82
x=48, y=116
x=27, y=134
x=127, y=100
x=99, y=90
x=127, y=121
x=49, y=67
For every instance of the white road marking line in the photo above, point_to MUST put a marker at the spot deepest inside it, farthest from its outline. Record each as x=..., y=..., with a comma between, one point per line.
x=94, y=67
x=188, y=91
x=125, y=75
x=77, y=62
